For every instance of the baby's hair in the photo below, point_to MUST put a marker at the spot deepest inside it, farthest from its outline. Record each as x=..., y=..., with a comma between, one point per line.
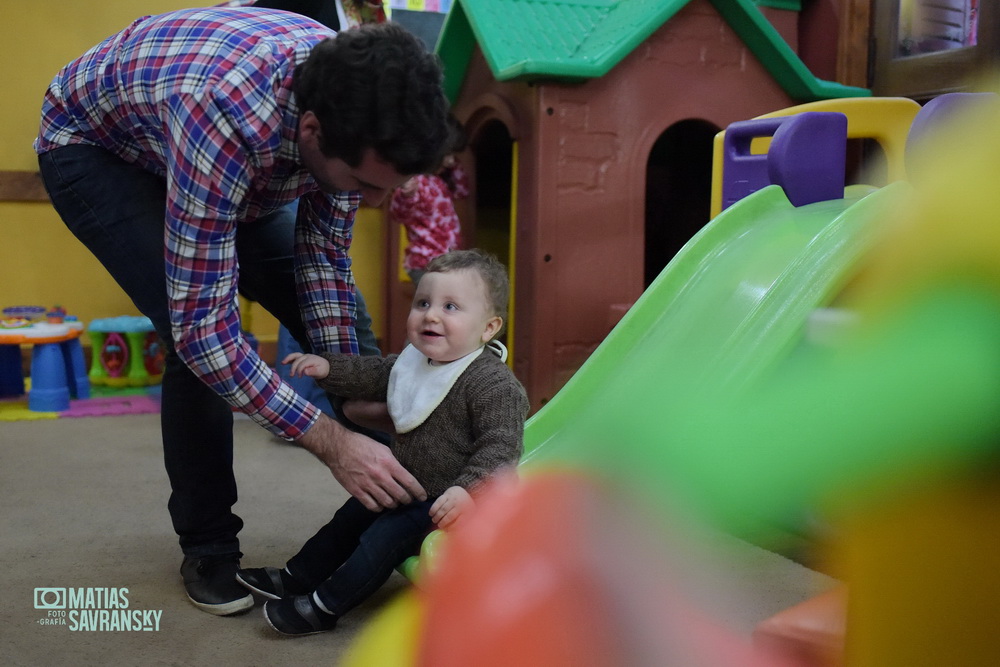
x=489, y=268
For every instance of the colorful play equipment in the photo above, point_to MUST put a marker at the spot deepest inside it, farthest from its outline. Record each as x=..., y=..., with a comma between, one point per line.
x=745, y=289
x=58, y=369
x=884, y=120
x=125, y=352
x=713, y=403
x=790, y=159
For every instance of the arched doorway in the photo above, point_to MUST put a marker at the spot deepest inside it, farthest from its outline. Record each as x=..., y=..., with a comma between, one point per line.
x=485, y=217
x=678, y=191
x=492, y=149
x=493, y=152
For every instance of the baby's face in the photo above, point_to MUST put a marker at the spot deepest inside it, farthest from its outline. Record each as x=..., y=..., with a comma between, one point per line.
x=449, y=317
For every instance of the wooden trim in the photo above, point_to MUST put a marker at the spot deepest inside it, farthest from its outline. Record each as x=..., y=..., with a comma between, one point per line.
x=22, y=186
x=853, y=43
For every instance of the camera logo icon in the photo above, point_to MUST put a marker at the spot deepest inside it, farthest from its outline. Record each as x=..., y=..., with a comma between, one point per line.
x=50, y=598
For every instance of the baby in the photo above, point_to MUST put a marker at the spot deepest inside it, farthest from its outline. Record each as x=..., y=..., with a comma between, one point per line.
x=459, y=417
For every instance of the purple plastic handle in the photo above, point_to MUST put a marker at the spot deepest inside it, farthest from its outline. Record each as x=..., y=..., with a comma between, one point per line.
x=807, y=157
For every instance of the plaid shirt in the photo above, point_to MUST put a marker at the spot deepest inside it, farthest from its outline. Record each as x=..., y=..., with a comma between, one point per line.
x=203, y=98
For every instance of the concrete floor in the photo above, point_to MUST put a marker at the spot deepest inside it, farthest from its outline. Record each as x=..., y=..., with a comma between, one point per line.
x=84, y=505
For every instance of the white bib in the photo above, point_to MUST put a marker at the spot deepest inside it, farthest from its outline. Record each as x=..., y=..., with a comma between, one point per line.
x=417, y=387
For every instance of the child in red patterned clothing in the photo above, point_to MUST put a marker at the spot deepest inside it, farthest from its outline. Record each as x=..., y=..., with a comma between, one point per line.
x=424, y=205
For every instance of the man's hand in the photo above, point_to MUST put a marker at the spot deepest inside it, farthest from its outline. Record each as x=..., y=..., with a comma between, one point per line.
x=365, y=468
x=451, y=506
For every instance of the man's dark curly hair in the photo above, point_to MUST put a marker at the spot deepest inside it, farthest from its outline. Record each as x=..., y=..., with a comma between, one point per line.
x=376, y=86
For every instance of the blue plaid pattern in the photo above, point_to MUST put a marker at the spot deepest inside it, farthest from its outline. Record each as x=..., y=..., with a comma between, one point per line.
x=203, y=98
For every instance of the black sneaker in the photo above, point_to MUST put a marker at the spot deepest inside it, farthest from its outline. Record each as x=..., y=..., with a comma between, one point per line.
x=297, y=616
x=211, y=585
x=270, y=582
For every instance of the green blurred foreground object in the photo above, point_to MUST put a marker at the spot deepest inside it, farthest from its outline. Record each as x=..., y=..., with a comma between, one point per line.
x=918, y=395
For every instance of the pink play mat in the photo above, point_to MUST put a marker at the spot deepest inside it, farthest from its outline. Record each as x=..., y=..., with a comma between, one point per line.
x=100, y=406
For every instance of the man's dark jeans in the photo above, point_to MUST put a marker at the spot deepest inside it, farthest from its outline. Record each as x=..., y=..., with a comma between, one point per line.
x=117, y=210
x=353, y=555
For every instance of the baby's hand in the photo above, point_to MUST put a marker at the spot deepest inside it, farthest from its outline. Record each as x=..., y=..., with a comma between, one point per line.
x=311, y=365
x=450, y=506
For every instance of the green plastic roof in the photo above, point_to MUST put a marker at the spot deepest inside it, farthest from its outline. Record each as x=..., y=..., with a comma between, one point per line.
x=584, y=39
x=792, y=5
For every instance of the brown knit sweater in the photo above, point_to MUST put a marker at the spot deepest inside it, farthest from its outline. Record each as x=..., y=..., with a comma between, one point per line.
x=477, y=429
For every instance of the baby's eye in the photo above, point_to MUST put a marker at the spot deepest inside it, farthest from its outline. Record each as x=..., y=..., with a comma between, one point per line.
x=421, y=303
x=450, y=306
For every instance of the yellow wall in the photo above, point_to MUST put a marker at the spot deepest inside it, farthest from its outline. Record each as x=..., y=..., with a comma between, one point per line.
x=41, y=263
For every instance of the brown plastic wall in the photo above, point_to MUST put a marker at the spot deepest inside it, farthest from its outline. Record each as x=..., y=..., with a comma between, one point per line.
x=583, y=150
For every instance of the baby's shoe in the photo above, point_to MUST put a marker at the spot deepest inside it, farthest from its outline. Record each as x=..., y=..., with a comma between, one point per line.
x=270, y=582
x=298, y=616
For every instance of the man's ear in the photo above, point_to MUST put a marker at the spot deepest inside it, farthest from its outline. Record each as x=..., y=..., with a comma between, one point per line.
x=309, y=127
x=492, y=327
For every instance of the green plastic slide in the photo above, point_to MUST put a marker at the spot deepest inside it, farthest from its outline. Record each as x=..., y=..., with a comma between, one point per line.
x=732, y=302
x=707, y=398
x=730, y=305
